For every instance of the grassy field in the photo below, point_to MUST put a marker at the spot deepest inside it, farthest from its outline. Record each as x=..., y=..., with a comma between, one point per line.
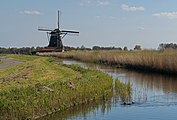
x=147, y=60
x=41, y=86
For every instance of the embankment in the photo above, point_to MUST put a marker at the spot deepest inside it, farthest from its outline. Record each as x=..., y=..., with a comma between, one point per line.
x=145, y=60
x=40, y=86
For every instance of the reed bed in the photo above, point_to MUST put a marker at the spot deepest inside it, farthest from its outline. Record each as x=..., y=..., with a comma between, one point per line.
x=148, y=60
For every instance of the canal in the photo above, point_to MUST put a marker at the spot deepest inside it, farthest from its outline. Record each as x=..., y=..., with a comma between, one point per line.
x=155, y=98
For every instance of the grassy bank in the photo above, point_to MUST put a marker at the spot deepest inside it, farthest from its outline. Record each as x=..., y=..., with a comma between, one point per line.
x=147, y=60
x=40, y=86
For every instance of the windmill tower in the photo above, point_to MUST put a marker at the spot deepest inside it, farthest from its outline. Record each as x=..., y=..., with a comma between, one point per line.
x=56, y=36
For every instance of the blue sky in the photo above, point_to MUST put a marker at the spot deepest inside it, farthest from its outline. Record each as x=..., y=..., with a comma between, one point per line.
x=116, y=23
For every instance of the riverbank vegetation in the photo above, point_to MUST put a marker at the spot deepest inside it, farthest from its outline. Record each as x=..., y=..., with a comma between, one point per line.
x=40, y=86
x=162, y=61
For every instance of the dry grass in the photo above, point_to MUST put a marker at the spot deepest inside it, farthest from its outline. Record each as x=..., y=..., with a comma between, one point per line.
x=149, y=60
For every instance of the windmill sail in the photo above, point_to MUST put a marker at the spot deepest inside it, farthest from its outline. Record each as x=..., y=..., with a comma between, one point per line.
x=68, y=31
x=41, y=29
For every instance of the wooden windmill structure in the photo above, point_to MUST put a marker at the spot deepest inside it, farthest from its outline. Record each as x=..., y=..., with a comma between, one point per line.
x=56, y=36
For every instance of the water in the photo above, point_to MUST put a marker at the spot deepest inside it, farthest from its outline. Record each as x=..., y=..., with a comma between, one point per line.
x=155, y=98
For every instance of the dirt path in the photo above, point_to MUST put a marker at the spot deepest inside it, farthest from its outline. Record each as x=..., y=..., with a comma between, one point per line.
x=8, y=62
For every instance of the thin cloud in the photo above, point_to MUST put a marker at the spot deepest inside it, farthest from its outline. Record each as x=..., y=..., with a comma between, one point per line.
x=85, y=3
x=105, y=17
x=98, y=17
x=169, y=15
x=112, y=17
x=141, y=28
x=132, y=8
x=30, y=12
x=94, y=3
x=103, y=3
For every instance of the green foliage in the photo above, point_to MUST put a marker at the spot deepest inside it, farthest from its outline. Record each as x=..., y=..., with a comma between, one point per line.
x=125, y=48
x=163, y=46
x=21, y=57
x=137, y=47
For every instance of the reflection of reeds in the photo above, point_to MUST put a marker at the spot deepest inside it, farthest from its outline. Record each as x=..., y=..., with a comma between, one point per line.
x=140, y=96
x=124, y=91
x=81, y=110
x=149, y=60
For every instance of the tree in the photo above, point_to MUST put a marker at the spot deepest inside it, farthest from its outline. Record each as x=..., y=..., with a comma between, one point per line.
x=96, y=48
x=125, y=48
x=163, y=46
x=82, y=47
x=137, y=47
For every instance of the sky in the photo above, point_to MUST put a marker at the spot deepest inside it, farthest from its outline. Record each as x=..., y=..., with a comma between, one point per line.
x=105, y=23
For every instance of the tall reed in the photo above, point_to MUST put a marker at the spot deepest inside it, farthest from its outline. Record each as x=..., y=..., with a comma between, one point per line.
x=148, y=60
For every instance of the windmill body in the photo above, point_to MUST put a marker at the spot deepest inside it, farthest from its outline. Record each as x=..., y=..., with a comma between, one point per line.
x=55, y=41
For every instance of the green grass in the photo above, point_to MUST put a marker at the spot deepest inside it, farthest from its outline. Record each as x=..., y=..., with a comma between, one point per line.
x=40, y=86
x=21, y=57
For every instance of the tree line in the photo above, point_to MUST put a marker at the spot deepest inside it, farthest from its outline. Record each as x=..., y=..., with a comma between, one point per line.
x=163, y=46
x=30, y=50
x=23, y=50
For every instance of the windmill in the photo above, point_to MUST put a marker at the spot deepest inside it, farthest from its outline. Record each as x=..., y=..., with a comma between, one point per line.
x=56, y=36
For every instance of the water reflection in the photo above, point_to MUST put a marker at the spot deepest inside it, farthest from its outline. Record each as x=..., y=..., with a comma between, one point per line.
x=84, y=111
x=154, y=82
x=155, y=98
x=153, y=89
